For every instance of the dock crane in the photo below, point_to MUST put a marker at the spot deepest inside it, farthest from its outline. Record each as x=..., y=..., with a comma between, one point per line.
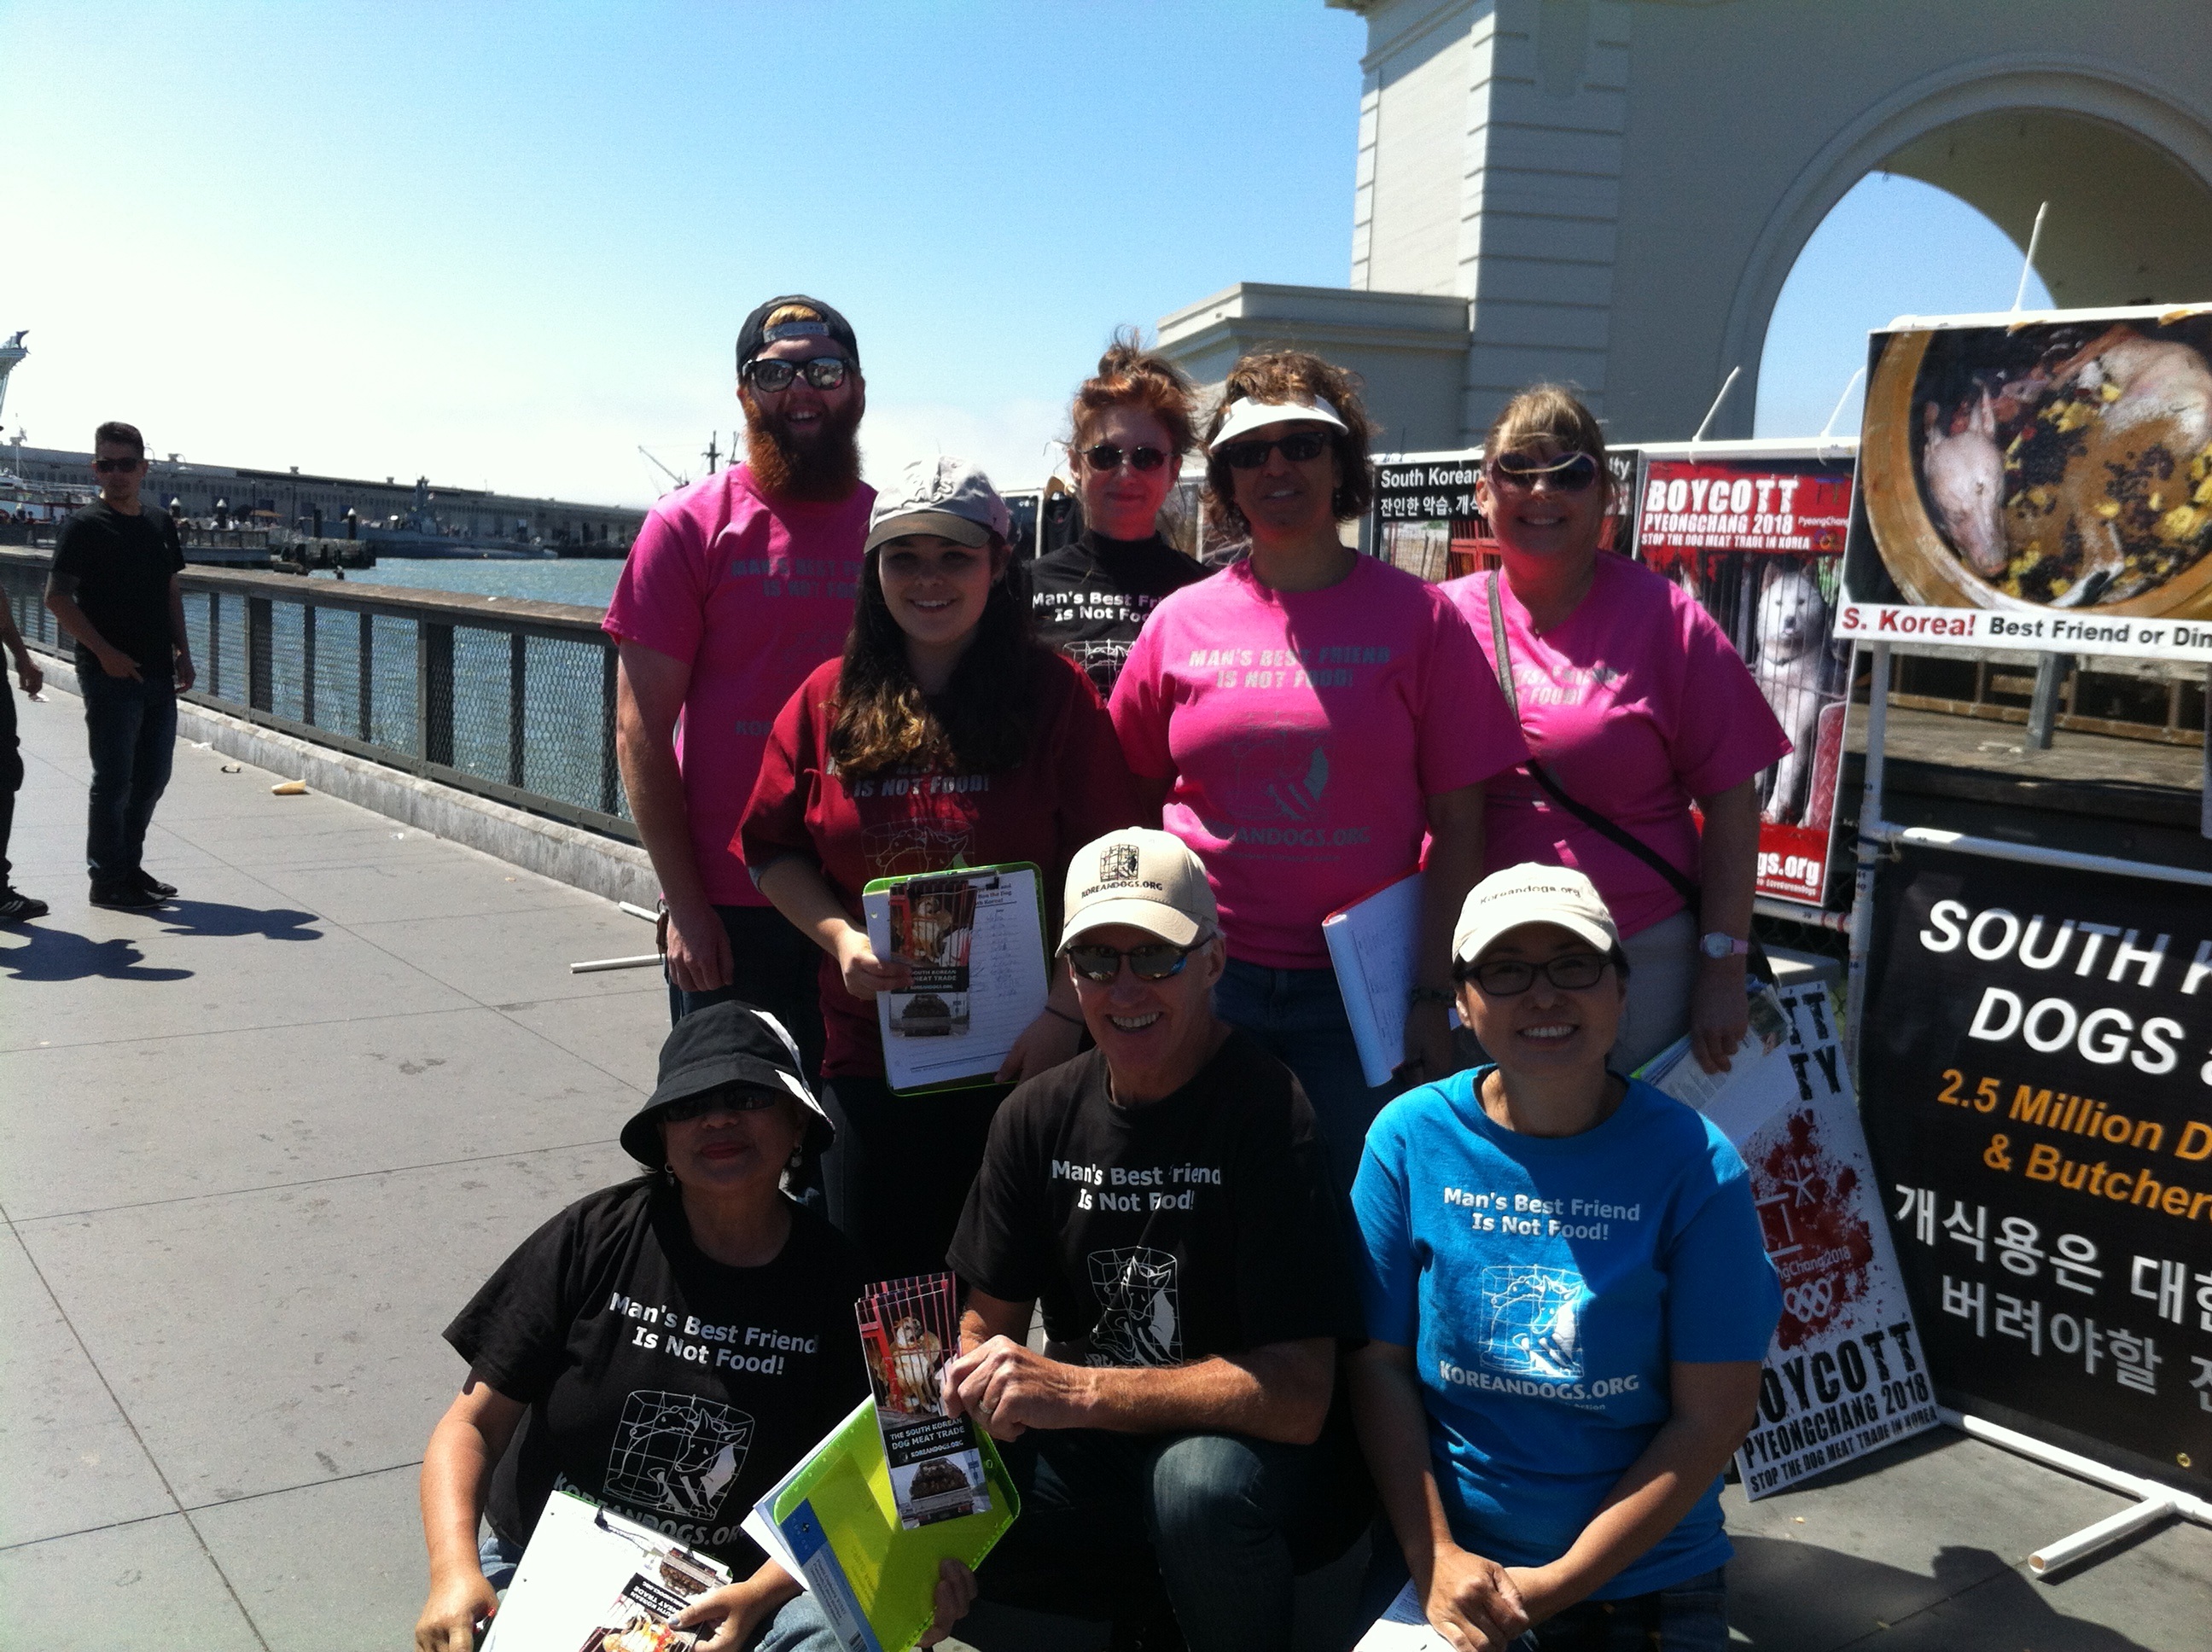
x=674, y=480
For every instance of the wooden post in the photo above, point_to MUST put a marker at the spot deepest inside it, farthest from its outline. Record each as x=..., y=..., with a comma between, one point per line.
x=518, y=677
x=260, y=661
x=365, y=658
x=610, y=772
x=307, y=611
x=434, y=691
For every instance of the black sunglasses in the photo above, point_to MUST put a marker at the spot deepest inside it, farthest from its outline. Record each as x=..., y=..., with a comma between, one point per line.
x=1105, y=456
x=1572, y=475
x=106, y=465
x=1156, y=961
x=1509, y=977
x=1298, y=447
x=823, y=372
x=727, y=1099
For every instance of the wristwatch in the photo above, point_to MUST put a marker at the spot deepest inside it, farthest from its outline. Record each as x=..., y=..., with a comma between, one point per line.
x=1715, y=944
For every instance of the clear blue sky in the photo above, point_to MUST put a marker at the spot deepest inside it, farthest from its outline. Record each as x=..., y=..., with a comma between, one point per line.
x=509, y=243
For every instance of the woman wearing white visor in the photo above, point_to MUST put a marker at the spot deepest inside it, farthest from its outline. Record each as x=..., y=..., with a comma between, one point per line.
x=1305, y=719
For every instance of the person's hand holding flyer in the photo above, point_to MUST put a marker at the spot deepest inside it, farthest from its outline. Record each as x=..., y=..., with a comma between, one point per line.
x=909, y=1329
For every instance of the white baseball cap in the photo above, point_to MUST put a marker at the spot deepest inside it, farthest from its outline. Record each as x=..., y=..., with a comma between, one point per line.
x=1532, y=893
x=1147, y=879
x=944, y=496
x=1245, y=414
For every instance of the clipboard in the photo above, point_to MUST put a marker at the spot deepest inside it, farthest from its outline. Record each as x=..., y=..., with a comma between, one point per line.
x=973, y=937
x=833, y=1525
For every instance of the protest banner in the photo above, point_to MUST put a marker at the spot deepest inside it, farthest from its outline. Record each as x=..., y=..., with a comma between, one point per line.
x=2036, y=1061
x=2043, y=484
x=1847, y=1374
x=1427, y=521
x=1755, y=533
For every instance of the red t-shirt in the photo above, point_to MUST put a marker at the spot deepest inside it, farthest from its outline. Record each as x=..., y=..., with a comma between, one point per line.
x=752, y=593
x=1073, y=788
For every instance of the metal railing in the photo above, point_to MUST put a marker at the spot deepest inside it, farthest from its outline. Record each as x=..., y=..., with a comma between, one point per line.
x=509, y=699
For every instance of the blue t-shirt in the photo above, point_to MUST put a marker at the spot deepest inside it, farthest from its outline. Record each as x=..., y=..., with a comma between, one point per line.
x=1544, y=1284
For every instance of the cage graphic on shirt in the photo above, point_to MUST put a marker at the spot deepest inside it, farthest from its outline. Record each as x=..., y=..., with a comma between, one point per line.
x=1140, y=1310
x=1531, y=1321
x=676, y=1453
x=1102, y=659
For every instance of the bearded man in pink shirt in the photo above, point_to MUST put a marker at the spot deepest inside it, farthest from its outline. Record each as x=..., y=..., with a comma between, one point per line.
x=737, y=587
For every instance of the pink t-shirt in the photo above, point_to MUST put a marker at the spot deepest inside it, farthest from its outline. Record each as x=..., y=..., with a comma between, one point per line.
x=1637, y=702
x=752, y=593
x=1303, y=730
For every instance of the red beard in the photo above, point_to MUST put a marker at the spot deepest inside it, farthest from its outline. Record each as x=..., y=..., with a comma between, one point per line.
x=825, y=467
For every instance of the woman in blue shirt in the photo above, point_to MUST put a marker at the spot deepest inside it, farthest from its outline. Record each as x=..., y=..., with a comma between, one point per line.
x=1569, y=1301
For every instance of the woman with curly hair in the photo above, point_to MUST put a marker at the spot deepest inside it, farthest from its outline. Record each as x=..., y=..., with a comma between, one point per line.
x=1305, y=719
x=1130, y=426
x=947, y=736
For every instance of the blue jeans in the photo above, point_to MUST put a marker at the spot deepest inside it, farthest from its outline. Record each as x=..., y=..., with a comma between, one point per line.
x=797, y=1625
x=130, y=725
x=1297, y=1016
x=1214, y=1512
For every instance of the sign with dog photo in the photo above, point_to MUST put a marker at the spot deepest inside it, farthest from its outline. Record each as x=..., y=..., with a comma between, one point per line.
x=1756, y=535
x=2042, y=484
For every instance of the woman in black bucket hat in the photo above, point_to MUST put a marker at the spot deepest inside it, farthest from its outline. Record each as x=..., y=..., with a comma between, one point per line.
x=667, y=1347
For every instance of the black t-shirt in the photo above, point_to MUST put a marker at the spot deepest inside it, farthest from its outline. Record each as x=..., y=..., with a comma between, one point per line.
x=1200, y=1225
x=122, y=566
x=670, y=1387
x=1090, y=599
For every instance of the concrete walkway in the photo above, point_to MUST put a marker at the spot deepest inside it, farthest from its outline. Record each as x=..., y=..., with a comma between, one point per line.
x=256, y=1147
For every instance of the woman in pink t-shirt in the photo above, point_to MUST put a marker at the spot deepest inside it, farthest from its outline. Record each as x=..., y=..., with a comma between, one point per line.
x=1637, y=706
x=1306, y=717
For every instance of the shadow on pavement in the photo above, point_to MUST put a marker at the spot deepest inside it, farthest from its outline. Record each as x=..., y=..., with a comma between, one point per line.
x=216, y=918
x=1800, y=1597
x=58, y=955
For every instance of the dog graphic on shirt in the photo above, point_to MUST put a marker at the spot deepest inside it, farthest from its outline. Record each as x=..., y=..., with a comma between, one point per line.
x=1531, y=1321
x=676, y=1453
x=1139, y=1319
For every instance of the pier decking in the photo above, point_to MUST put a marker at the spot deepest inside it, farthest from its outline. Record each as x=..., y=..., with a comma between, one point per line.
x=258, y=1147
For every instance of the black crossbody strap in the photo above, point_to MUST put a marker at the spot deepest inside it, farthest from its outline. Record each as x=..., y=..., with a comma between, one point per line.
x=1608, y=830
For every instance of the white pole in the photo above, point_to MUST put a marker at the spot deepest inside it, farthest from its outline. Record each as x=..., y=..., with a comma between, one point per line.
x=1871, y=827
x=2053, y=1557
x=595, y=965
x=1727, y=384
x=1857, y=373
x=2027, y=263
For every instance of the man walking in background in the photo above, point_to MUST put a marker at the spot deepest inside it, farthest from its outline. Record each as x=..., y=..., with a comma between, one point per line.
x=115, y=587
x=738, y=586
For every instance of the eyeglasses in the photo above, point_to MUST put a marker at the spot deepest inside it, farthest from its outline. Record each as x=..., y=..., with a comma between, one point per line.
x=1572, y=475
x=109, y=466
x=1105, y=456
x=1509, y=977
x=727, y=1099
x=1155, y=962
x=1298, y=448
x=823, y=372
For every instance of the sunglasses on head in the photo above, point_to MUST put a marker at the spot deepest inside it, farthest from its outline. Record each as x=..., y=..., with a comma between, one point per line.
x=1571, y=475
x=107, y=467
x=728, y=1099
x=1154, y=961
x=1509, y=977
x=1105, y=456
x=823, y=372
x=1299, y=448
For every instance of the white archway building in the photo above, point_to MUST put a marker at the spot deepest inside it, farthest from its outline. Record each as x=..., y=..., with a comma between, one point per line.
x=1613, y=191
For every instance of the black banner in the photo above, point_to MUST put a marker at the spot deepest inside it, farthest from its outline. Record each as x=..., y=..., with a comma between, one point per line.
x=2036, y=1080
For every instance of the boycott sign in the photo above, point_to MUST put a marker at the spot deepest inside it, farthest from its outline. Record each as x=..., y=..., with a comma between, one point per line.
x=1758, y=541
x=1846, y=1374
x=2042, y=484
x=2038, y=1064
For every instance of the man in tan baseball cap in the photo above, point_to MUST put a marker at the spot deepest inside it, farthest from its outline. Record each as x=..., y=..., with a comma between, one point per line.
x=1163, y=1199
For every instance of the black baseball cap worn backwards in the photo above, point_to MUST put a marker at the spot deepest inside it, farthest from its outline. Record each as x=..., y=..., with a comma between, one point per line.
x=757, y=335
x=724, y=1043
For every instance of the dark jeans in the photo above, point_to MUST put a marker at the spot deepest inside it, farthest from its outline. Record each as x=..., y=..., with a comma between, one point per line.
x=1214, y=1513
x=899, y=1174
x=772, y=967
x=130, y=725
x=1297, y=1016
x=11, y=772
x=1691, y=1616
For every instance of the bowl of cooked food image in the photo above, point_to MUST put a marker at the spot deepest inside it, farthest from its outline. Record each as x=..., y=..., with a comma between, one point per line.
x=2046, y=465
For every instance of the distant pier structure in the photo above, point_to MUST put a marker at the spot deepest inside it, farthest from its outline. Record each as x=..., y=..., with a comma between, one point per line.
x=10, y=352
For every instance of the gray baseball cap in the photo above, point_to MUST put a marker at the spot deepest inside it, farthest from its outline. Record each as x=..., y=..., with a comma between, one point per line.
x=946, y=496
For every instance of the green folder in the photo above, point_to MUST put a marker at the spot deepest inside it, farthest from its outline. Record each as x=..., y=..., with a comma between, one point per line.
x=885, y=886
x=875, y=1580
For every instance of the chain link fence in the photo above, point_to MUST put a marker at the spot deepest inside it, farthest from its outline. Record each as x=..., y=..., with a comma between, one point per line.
x=512, y=700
